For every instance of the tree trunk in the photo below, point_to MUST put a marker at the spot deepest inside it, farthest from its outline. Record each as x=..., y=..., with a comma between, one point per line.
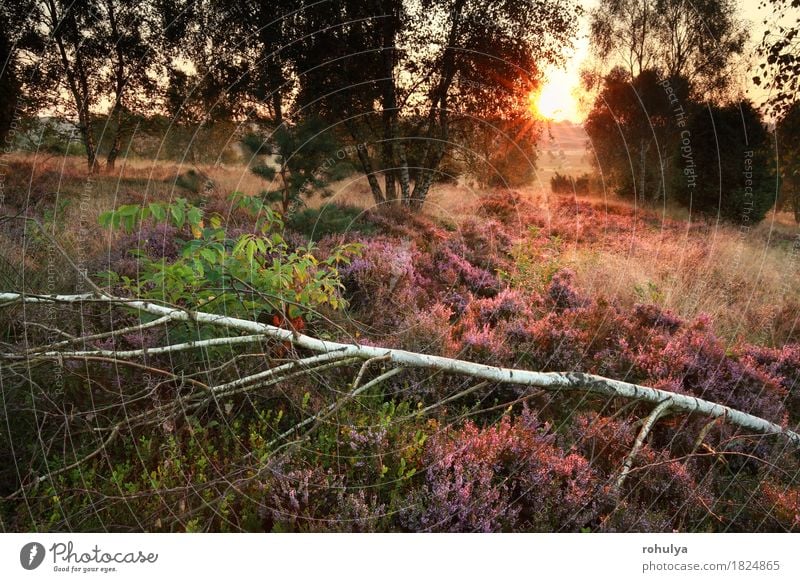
x=78, y=86
x=86, y=130
x=389, y=184
x=439, y=106
x=796, y=205
x=389, y=33
x=423, y=186
x=119, y=87
x=277, y=107
x=9, y=85
x=113, y=152
x=366, y=164
x=643, y=169
x=405, y=190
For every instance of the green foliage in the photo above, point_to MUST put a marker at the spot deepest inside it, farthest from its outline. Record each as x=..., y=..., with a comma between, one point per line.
x=240, y=276
x=305, y=155
x=671, y=37
x=781, y=69
x=316, y=223
x=192, y=180
x=535, y=260
x=47, y=135
x=631, y=125
x=565, y=184
x=788, y=137
x=727, y=166
x=649, y=293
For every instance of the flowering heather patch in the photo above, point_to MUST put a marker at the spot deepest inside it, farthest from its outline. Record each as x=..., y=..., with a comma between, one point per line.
x=485, y=243
x=315, y=500
x=505, y=306
x=483, y=345
x=452, y=269
x=401, y=223
x=658, y=494
x=785, y=505
x=698, y=363
x=783, y=365
x=382, y=280
x=508, y=206
x=651, y=317
x=562, y=293
x=545, y=344
x=429, y=330
x=155, y=241
x=29, y=190
x=501, y=478
x=457, y=301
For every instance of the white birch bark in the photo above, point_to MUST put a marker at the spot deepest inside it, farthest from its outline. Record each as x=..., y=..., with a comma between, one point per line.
x=554, y=381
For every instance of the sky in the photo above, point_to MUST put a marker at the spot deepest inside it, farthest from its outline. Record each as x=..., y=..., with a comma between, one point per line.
x=560, y=95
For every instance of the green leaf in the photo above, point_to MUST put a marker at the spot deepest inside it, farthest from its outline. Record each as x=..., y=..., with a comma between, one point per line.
x=178, y=215
x=158, y=211
x=251, y=250
x=209, y=255
x=128, y=222
x=194, y=216
x=106, y=218
x=128, y=210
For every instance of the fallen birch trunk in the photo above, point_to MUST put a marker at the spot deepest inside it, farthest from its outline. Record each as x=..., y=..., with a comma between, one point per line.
x=552, y=381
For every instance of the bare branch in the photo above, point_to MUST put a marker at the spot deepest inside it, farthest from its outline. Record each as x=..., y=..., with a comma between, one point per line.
x=107, y=334
x=69, y=467
x=647, y=426
x=364, y=367
x=318, y=418
x=123, y=354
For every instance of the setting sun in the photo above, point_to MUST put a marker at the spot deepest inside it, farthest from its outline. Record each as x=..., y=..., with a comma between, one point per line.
x=556, y=99
x=559, y=97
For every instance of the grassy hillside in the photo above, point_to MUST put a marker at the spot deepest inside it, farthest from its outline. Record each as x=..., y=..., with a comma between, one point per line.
x=521, y=279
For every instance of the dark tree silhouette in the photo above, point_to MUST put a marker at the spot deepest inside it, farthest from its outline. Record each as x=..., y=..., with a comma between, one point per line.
x=399, y=77
x=733, y=155
x=13, y=19
x=94, y=51
x=788, y=139
x=780, y=46
x=633, y=132
x=691, y=39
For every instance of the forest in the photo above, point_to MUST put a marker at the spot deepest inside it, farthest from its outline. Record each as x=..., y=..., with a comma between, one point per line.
x=353, y=266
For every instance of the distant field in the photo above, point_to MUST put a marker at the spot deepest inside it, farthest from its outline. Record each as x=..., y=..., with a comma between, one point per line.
x=563, y=149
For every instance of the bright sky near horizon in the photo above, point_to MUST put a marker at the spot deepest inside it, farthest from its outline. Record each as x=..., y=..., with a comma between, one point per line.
x=559, y=99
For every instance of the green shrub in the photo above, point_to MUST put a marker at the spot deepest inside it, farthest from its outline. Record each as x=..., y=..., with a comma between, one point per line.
x=565, y=184
x=192, y=180
x=724, y=164
x=239, y=275
x=315, y=223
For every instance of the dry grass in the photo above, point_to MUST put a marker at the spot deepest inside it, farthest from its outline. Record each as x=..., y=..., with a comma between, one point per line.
x=744, y=279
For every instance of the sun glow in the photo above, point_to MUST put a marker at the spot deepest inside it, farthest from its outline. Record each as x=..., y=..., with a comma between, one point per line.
x=556, y=99
x=560, y=96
